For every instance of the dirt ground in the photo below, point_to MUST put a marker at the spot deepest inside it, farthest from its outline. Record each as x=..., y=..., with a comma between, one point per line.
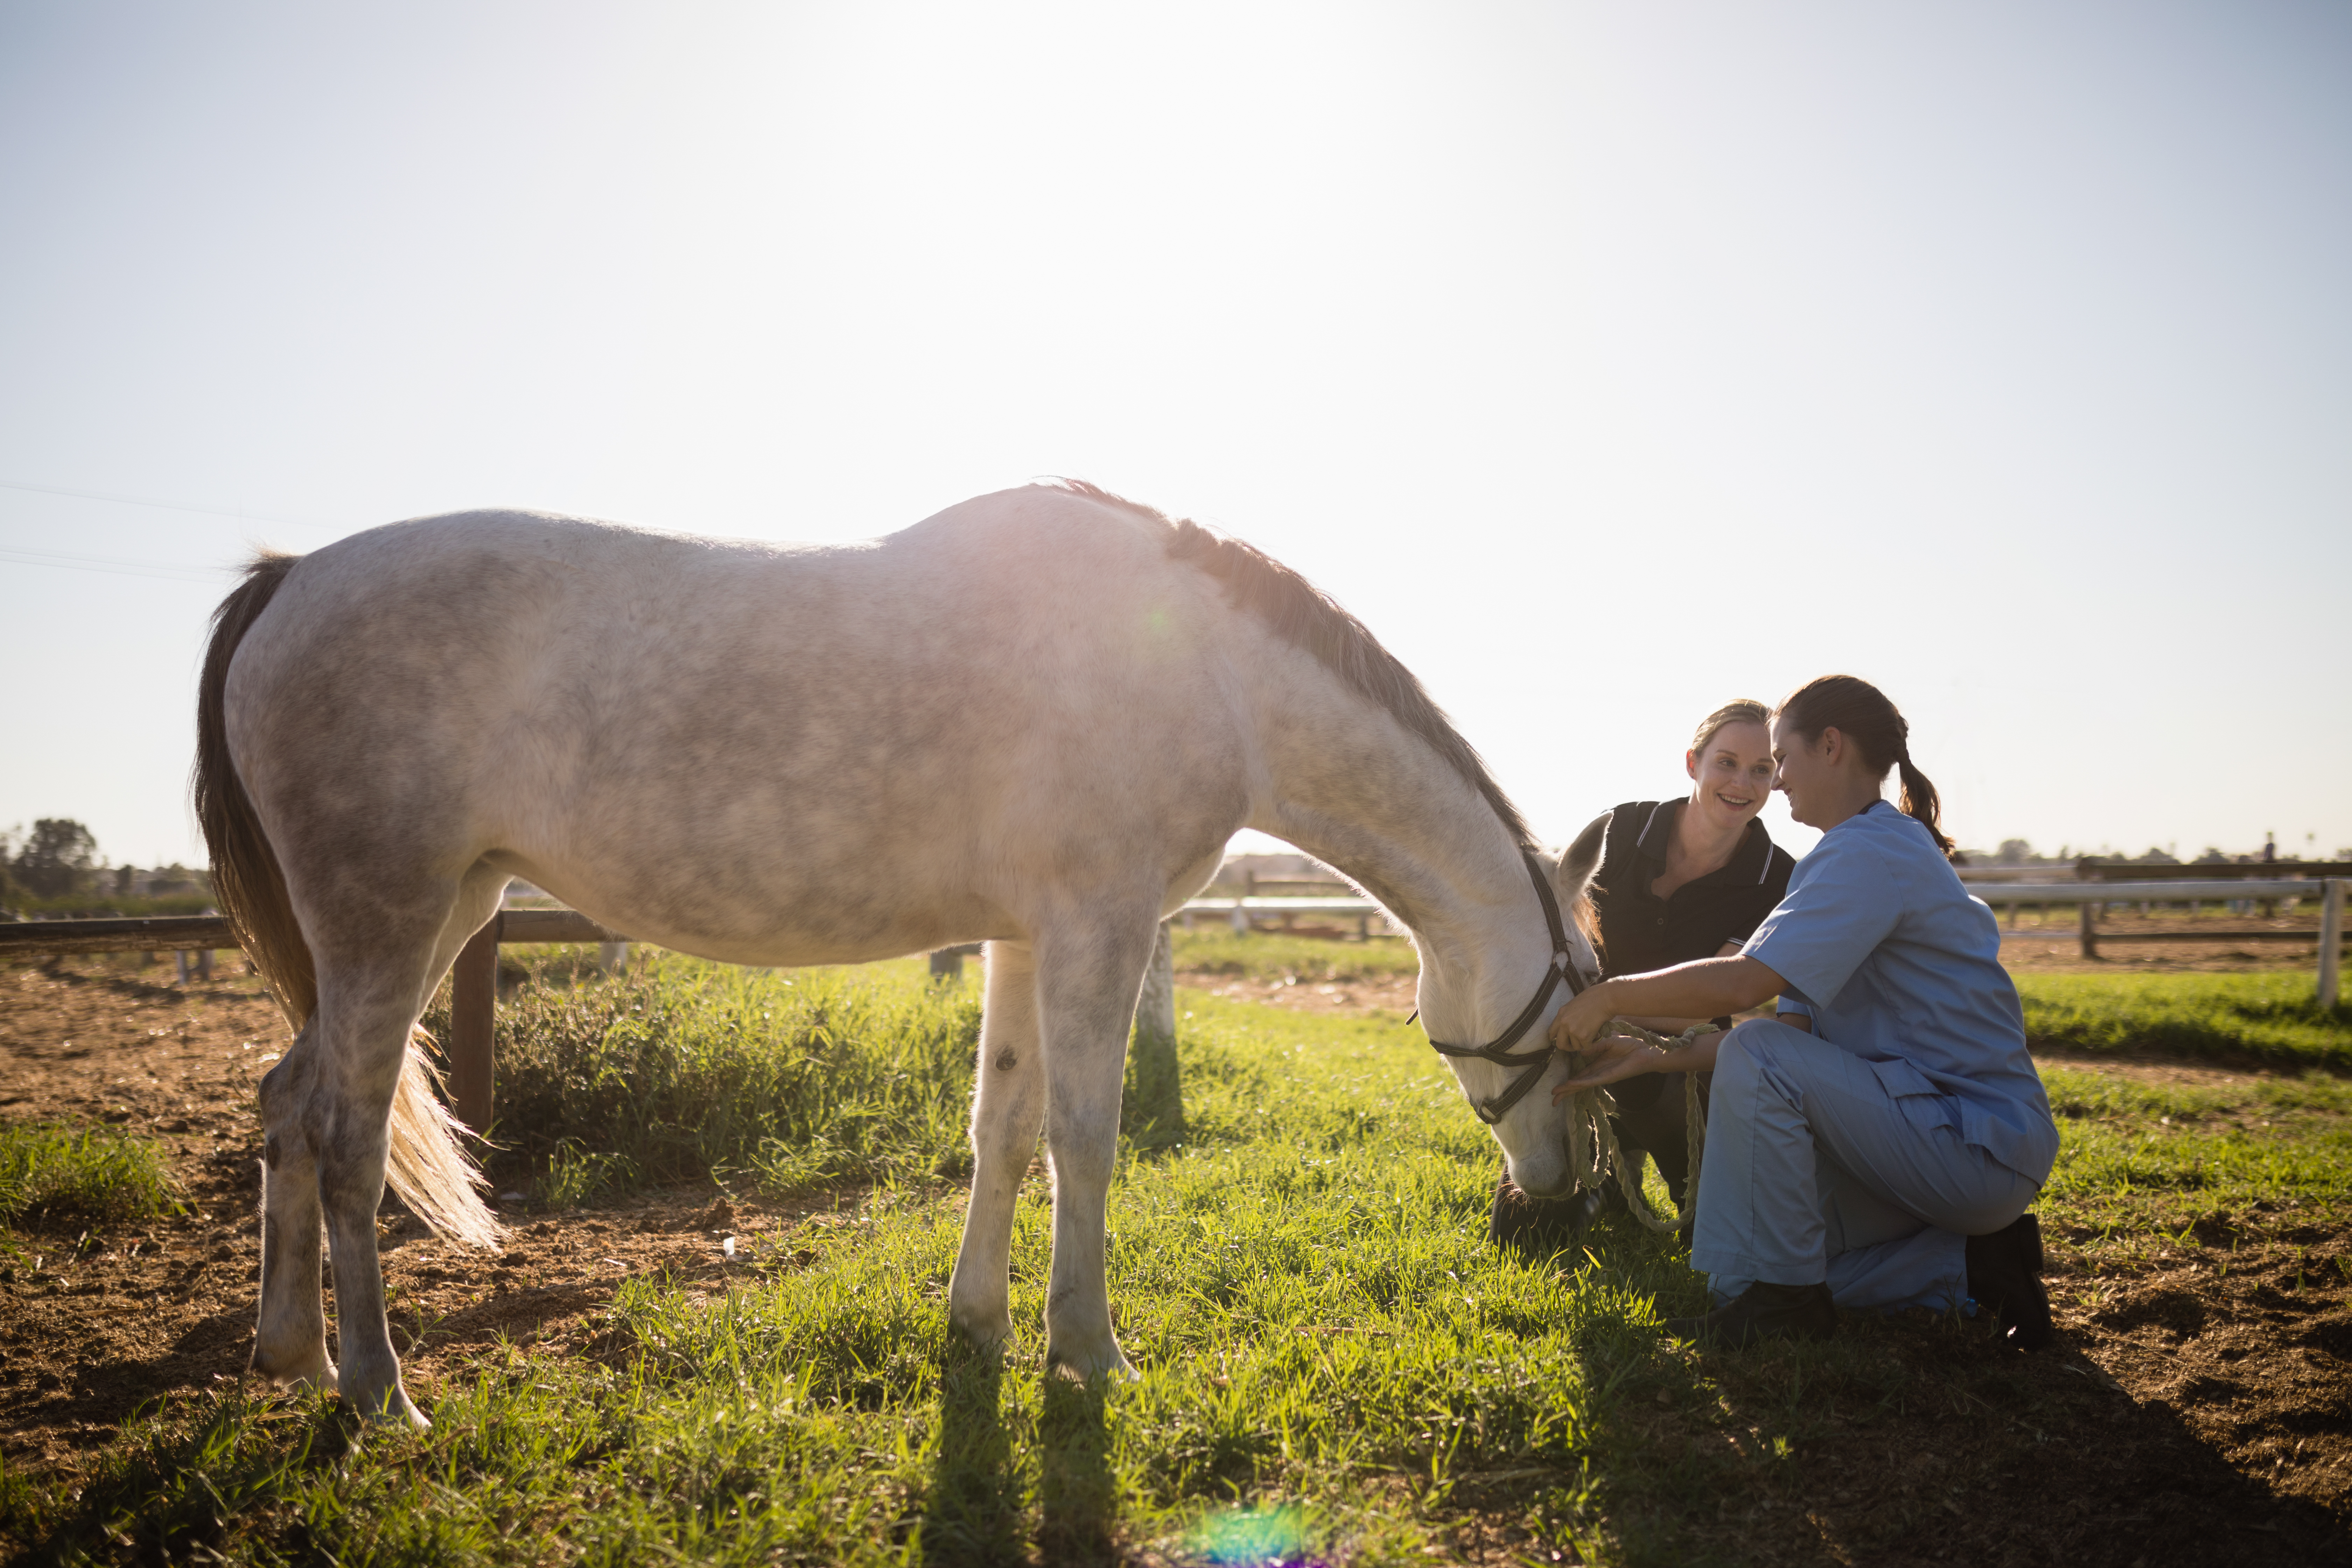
x=2198, y=1407
x=92, y=1327
x=2056, y=946
x=1355, y=998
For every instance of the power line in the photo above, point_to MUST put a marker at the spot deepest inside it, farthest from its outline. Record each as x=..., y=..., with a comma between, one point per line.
x=158, y=505
x=168, y=570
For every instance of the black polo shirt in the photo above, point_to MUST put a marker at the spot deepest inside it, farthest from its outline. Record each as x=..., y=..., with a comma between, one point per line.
x=1640, y=932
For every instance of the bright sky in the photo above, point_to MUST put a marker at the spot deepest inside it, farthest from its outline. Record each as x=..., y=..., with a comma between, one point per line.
x=1610, y=361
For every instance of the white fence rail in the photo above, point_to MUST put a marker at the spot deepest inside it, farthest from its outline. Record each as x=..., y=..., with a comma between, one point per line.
x=2090, y=900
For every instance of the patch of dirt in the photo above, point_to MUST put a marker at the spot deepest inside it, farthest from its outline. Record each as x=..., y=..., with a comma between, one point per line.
x=2057, y=947
x=94, y=1325
x=2150, y=1067
x=1365, y=998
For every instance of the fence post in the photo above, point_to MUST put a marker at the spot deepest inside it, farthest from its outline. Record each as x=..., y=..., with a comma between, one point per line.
x=1151, y=1108
x=2090, y=931
x=2331, y=939
x=473, y=1011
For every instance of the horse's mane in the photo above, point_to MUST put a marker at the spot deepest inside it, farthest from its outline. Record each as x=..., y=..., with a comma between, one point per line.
x=1303, y=615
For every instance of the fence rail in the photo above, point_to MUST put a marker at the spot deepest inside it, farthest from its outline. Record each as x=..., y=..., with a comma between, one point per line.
x=474, y=995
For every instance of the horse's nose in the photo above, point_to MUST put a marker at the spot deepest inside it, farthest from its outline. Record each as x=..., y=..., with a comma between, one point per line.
x=1541, y=1175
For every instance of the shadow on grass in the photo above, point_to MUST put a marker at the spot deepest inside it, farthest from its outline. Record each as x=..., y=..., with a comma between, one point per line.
x=1078, y=1502
x=972, y=1512
x=182, y=1491
x=1909, y=1441
x=978, y=1508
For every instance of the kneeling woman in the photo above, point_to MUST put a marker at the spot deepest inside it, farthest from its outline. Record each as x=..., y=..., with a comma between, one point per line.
x=1877, y=1146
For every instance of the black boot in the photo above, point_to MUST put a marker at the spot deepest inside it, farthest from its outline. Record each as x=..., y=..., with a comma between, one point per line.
x=1763, y=1311
x=2005, y=1276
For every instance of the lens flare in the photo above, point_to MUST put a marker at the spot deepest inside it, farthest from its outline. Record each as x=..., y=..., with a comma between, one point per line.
x=1278, y=1537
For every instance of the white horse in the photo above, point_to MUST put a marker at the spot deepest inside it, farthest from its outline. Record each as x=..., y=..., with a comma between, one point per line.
x=1034, y=720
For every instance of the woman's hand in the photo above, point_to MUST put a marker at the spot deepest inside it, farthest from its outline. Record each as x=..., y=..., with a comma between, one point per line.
x=1574, y=1027
x=1617, y=1057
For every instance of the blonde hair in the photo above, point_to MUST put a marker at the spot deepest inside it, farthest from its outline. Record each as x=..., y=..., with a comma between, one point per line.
x=1744, y=712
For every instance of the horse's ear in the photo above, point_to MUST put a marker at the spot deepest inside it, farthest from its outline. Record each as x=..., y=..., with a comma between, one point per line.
x=1581, y=860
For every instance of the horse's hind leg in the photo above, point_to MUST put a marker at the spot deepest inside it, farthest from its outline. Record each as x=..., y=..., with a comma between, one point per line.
x=369, y=1003
x=290, y=1343
x=365, y=1018
x=1008, y=1110
x=326, y=1110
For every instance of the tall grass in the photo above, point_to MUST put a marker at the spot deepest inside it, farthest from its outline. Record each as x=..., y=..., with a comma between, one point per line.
x=2273, y=1016
x=59, y=1178
x=681, y=1069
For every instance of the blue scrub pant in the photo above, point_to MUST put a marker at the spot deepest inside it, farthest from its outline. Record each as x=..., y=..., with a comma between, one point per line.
x=1815, y=1172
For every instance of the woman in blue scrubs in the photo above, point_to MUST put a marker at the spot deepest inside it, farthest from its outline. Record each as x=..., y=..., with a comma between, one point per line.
x=1878, y=1144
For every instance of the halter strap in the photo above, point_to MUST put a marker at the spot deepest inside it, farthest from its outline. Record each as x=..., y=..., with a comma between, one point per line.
x=1498, y=1050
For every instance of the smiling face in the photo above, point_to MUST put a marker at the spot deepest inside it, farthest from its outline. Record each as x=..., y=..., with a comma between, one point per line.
x=1826, y=779
x=1801, y=772
x=1732, y=775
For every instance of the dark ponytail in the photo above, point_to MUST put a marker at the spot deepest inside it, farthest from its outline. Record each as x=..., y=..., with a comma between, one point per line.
x=1861, y=712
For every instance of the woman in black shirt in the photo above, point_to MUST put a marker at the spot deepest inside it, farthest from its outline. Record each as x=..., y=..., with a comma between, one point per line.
x=1679, y=880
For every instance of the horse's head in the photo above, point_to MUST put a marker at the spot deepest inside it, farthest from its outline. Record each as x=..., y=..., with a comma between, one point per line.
x=1530, y=1127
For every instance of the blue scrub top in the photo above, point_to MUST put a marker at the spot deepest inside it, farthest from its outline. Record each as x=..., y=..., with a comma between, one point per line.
x=1896, y=963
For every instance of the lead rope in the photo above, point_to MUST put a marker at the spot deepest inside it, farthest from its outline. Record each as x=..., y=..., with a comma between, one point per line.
x=1592, y=1153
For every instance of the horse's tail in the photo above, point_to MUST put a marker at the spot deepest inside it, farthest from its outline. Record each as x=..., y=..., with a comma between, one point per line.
x=246, y=882
x=424, y=1162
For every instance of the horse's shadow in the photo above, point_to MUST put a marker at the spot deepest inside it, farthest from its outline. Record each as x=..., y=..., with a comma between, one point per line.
x=978, y=1507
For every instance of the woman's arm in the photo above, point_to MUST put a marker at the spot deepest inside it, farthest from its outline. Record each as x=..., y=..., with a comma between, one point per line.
x=1658, y=1023
x=1618, y=1058
x=1704, y=988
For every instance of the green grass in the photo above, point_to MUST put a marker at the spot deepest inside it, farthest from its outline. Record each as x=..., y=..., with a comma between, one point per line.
x=1333, y=1364
x=682, y=1069
x=107, y=906
x=58, y=1178
x=2273, y=1016
x=2149, y=1155
x=1268, y=955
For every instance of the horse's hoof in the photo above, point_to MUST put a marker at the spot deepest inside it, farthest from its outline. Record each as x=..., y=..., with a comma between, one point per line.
x=393, y=1410
x=1087, y=1367
x=986, y=1331
x=318, y=1374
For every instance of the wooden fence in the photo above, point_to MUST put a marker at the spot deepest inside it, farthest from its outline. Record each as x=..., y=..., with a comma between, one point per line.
x=475, y=990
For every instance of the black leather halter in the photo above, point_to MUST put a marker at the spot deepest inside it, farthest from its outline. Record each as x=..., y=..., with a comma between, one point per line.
x=1498, y=1051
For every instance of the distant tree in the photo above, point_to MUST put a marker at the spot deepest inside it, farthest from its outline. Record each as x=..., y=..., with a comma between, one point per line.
x=2014, y=852
x=57, y=858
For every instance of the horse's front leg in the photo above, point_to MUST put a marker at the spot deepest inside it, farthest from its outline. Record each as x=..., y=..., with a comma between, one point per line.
x=1088, y=976
x=1008, y=1111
